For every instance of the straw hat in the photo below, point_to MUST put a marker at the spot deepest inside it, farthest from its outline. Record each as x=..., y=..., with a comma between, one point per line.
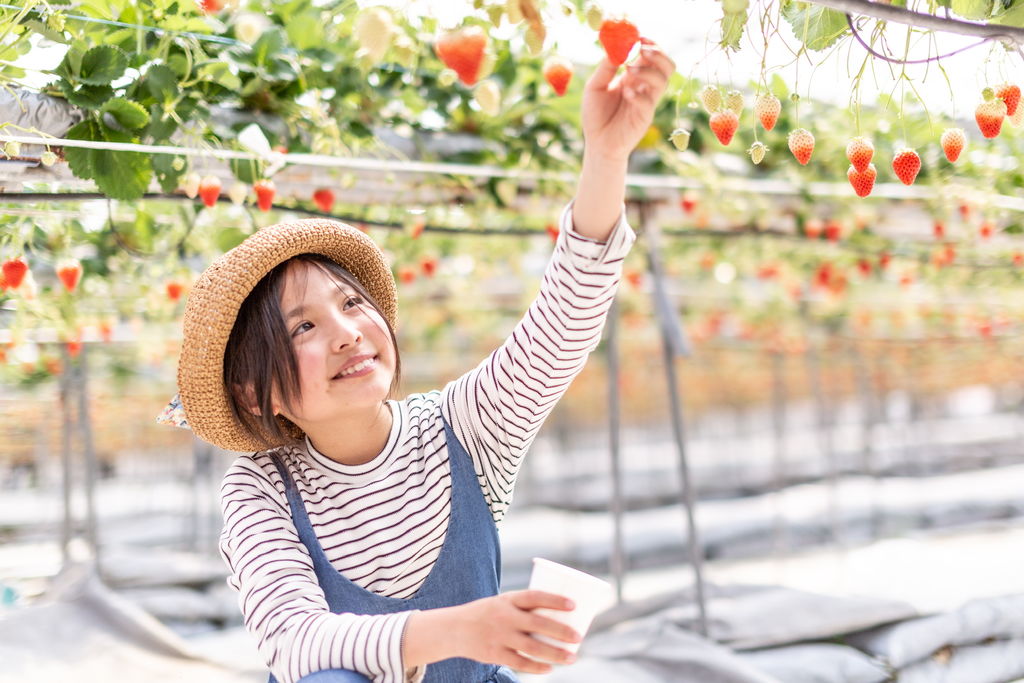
x=214, y=301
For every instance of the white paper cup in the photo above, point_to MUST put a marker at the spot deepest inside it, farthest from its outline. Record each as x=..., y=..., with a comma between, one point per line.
x=590, y=594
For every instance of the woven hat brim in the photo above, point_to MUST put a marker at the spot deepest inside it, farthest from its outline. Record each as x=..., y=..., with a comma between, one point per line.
x=217, y=296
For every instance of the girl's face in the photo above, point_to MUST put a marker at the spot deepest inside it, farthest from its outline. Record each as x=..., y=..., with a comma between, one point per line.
x=346, y=359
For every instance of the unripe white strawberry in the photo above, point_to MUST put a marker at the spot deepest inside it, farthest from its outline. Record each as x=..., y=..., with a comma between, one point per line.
x=375, y=30
x=190, y=184
x=734, y=101
x=757, y=152
x=595, y=17
x=48, y=158
x=238, y=193
x=488, y=96
x=12, y=148
x=680, y=138
x=711, y=98
x=249, y=26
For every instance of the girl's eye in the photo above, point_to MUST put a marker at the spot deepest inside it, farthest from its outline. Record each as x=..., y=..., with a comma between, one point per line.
x=301, y=328
x=353, y=301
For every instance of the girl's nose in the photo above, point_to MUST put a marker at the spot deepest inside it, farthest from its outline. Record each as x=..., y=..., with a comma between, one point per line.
x=346, y=331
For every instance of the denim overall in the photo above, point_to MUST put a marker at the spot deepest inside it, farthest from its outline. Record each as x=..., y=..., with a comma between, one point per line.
x=468, y=568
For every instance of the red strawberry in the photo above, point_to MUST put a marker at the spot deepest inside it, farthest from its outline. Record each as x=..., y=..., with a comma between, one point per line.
x=463, y=52
x=767, y=109
x=864, y=266
x=552, y=231
x=324, y=199
x=859, y=151
x=416, y=229
x=209, y=190
x=985, y=230
x=862, y=181
x=1010, y=94
x=833, y=230
x=14, y=272
x=939, y=228
x=74, y=348
x=106, y=330
x=906, y=165
x=618, y=36
x=724, y=124
x=883, y=260
x=264, y=190
x=689, y=201
x=801, y=144
x=813, y=228
x=174, y=290
x=953, y=141
x=429, y=266
x=210, y=6
x=558, y=73
x=1018, y=259
x=69, y=272
x=707, y=261
x=965, y=210
x=633, y=277
x=406, y=274
x=990, y=115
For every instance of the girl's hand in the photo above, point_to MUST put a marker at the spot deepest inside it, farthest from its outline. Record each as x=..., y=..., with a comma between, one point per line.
x=617, y=113
x=497, y=629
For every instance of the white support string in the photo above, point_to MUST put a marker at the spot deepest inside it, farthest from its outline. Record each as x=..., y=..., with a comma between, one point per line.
x=397, y=166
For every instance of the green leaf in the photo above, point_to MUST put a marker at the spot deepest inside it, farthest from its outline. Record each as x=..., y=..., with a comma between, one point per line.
x=305, y=31
x=220, y=73
x=161, y=82
x=87, y=96
x=229, y=238
x=267, y=47
x=972, y=9
x=732, y=29
x=166, y=174
x=818, y=27
x=128, y=114
x=778, y=87
x=102, y=64
x=247, y=170
x=120, y=175
x=1014, y=16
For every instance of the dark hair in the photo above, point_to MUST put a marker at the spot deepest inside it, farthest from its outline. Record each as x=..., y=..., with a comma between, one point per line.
x=260, y=355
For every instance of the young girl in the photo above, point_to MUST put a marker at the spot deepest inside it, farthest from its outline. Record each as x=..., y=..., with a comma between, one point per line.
x=360, y=531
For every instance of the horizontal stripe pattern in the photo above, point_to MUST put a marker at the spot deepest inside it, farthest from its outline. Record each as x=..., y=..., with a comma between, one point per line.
x=382, y=523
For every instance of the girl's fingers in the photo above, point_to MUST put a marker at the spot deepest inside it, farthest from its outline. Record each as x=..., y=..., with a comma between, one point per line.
x=529, y=645
x=536, y=623
x=524, y=664
x=532, y=599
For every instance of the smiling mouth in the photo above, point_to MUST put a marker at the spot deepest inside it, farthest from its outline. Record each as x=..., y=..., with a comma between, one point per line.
x=360, y=368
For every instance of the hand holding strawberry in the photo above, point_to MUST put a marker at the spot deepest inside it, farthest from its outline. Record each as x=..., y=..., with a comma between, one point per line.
x=618, y=108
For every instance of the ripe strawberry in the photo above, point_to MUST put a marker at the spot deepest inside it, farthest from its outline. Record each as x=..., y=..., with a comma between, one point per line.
x=416, y=229
x=633, y=277
x=264, y=190
x=833, y=230
x=74, y=347
x=883, y=260
x=429, y=266
x=407, y=275
x=1018, y=259
x=688, y=201
x=724, y=124
x=767, y=109
x=69, y=272
x=552, y=230
x=618, y=36
x=14, y=272
x=711, y=98
x=864, y=266
x=985, y=230
x=906, y=165
x=558, y=73
x=324, y=199
x=859, y=151
x=939, y=229
x=174, y=290
x=209, y=190
x=463, y=52
x=1010, y=94
x=862, y=181
x=210, y=6
x=990, y=115
x=801, y=144
x=953, y=141
x=813, y=228
x=707, y=261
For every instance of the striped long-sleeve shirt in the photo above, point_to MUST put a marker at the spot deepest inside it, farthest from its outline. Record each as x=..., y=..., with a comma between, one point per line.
x=382, y=523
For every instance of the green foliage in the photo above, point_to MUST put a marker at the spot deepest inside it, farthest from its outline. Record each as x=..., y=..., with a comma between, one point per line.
x=816, y=26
